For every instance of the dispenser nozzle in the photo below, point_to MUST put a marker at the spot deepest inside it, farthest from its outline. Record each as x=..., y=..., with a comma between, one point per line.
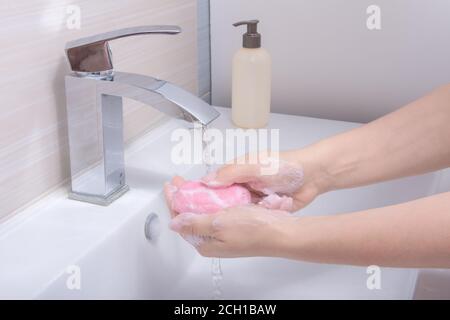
x=252, y=39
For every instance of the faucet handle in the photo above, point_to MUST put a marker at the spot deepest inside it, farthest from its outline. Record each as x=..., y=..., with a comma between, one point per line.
x=93, y=54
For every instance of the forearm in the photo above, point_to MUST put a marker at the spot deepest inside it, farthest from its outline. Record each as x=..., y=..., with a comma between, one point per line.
x=414, y=234
x=411, y=141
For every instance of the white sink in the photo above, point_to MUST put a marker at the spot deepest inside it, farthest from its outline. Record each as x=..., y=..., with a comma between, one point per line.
x=116, y=260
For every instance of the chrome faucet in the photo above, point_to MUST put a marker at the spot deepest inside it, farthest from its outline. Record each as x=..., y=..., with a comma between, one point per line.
x=94, y=93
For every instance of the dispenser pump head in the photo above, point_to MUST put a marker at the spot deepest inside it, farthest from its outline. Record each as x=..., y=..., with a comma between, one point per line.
x=252, y=39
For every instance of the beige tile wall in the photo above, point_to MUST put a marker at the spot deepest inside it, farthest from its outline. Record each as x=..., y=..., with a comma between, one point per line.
x=33, y=137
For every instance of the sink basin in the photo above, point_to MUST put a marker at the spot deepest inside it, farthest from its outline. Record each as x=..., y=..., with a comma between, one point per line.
x=40, y=246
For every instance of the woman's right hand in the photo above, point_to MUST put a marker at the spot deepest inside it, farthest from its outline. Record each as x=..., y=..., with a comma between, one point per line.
x=287, y=182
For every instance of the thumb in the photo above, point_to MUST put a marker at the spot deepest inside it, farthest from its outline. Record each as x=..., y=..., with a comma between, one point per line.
x=231, y=174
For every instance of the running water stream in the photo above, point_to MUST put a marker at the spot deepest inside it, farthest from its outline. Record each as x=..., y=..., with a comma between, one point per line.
x=216, y=268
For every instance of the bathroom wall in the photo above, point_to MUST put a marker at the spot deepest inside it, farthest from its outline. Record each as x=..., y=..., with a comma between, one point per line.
x=328, y=64
x=204, y=51
x=33, y=135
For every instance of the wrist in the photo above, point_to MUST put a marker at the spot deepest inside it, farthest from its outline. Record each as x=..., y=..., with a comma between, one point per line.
x=292, y=237
x=278, y=240
x=316, y=167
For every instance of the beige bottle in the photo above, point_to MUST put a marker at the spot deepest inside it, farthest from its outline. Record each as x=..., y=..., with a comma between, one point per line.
x=251, y=89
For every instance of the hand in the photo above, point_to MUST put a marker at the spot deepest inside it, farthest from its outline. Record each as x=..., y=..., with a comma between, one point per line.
x=233, y=232
x=236, y=232
x=296, y=182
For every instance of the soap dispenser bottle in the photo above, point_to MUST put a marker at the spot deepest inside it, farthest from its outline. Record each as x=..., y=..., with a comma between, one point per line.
x=251, y=88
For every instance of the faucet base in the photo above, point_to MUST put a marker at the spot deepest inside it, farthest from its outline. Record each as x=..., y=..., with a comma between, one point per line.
x=98, y=200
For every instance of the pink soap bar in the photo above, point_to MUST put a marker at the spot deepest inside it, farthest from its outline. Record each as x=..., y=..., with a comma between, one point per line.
x=195, y=197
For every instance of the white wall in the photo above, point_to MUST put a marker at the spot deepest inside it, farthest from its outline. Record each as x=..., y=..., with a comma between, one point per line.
x=328, y=64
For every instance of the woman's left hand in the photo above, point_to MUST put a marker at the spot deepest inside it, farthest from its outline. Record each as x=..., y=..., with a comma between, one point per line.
x=236, y=232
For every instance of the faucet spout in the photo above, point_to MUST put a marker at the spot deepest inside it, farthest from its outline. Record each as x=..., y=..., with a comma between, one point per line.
x=162, y=95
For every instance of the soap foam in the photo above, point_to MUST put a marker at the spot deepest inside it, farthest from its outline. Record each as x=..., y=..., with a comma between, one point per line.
x=276, y=202
x=286, y=181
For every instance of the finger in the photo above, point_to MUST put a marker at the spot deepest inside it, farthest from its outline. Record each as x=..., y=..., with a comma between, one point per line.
x=231, y=174
x=276, y=202
x=191, y=224
x=300, y=204
x=177, y=181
